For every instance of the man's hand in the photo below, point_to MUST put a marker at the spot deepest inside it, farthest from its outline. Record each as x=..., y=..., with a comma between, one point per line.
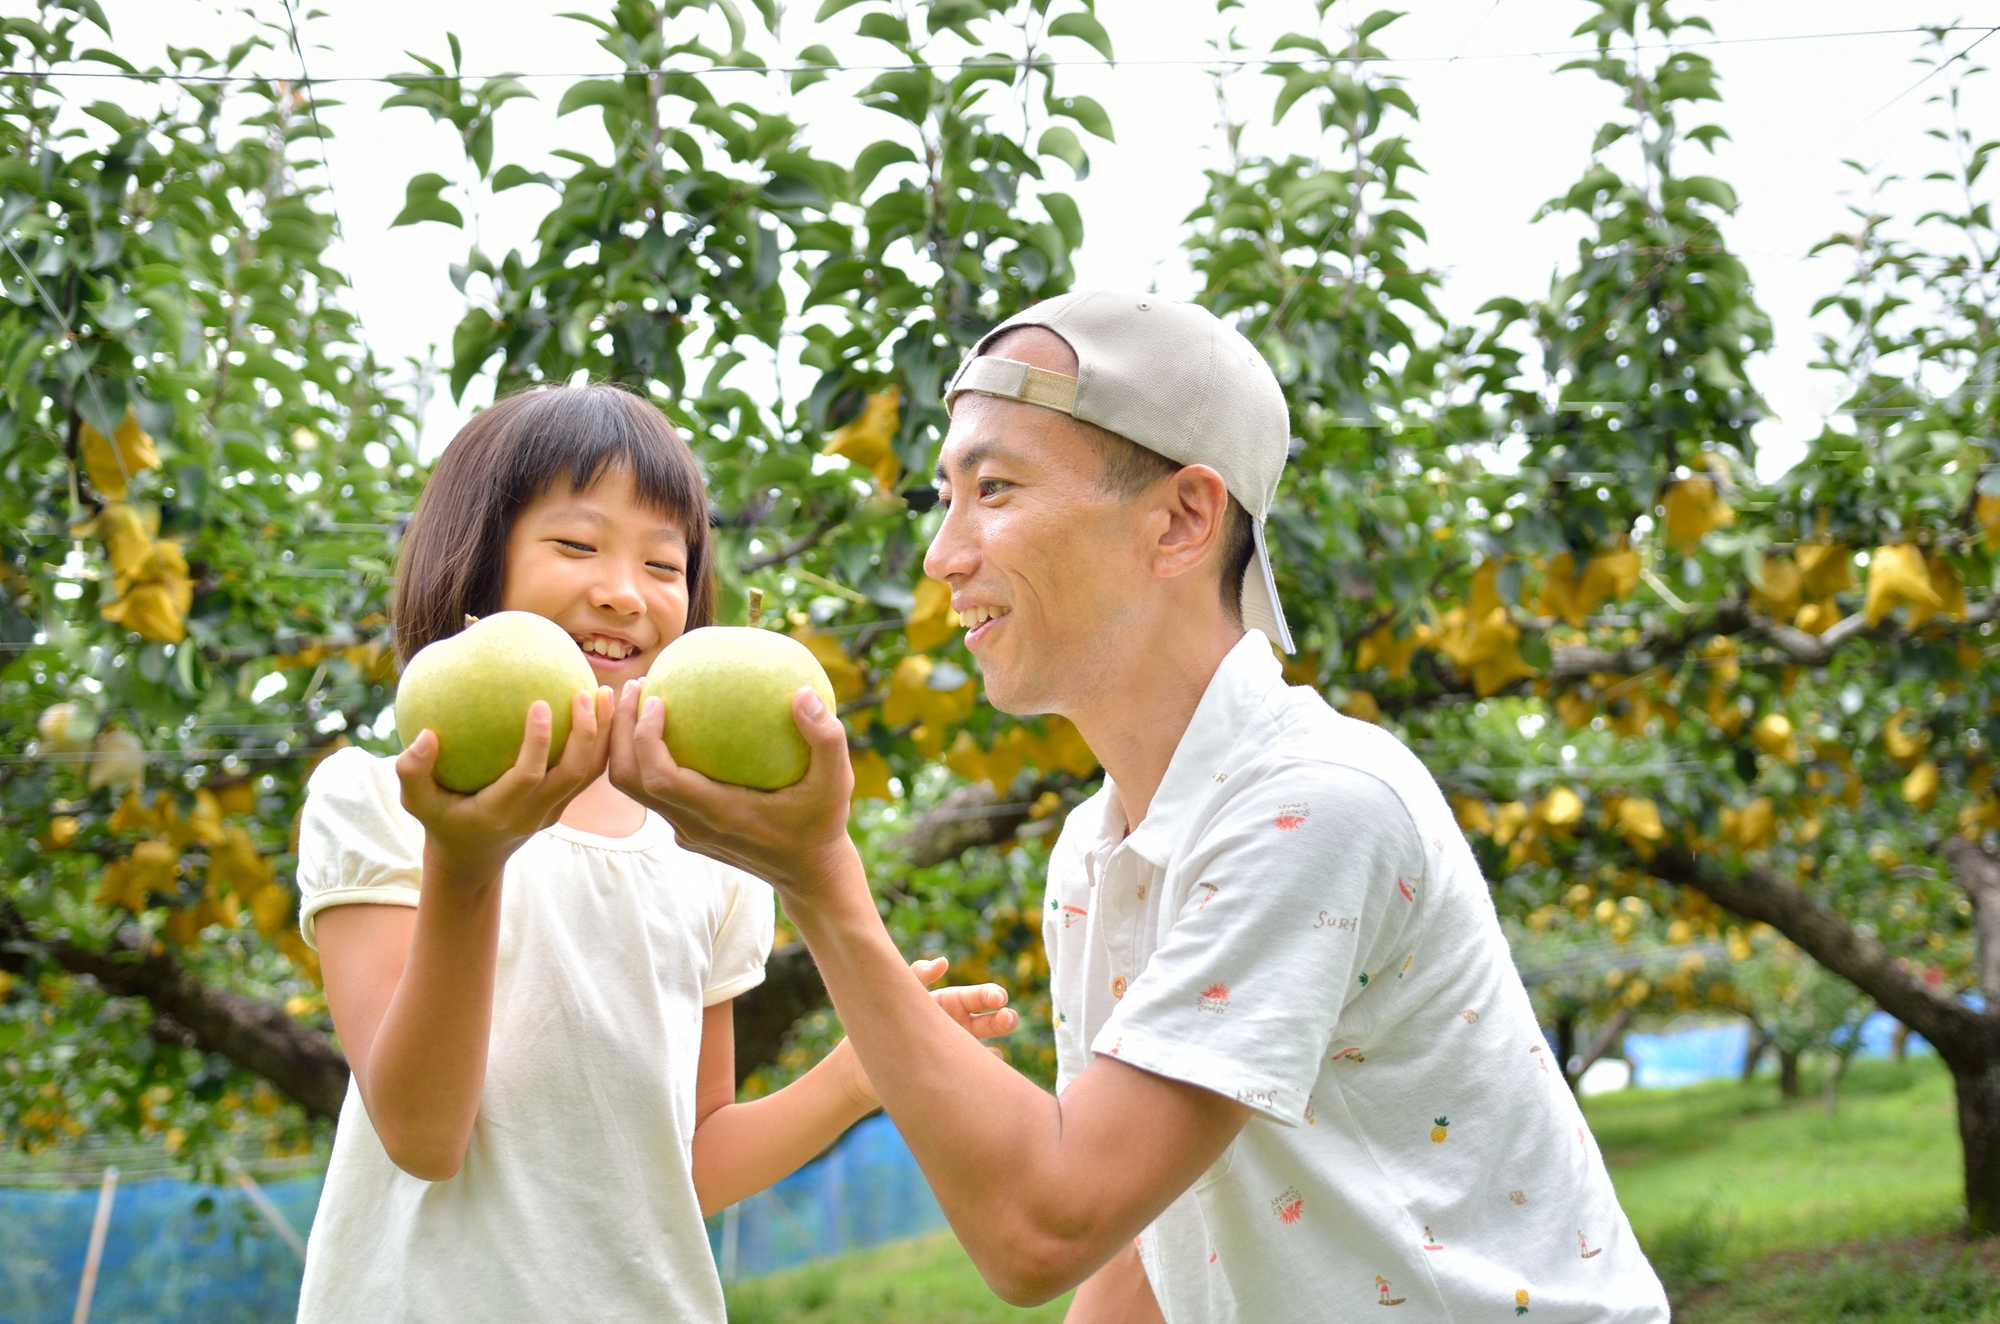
x=476, y=833
x=795, y=838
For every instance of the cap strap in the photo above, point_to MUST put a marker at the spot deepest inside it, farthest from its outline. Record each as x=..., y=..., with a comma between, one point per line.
x=1014, y=380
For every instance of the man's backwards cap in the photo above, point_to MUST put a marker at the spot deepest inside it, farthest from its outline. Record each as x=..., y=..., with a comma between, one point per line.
x=1173, y=378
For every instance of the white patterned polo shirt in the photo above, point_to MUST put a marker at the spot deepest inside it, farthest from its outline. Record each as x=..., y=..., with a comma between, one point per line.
x=1298, y=924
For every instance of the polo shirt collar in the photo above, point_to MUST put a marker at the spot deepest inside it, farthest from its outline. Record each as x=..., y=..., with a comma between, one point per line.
x=1234, y=696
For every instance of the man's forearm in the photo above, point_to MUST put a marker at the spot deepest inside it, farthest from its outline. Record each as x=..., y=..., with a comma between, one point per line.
x=988, y=1139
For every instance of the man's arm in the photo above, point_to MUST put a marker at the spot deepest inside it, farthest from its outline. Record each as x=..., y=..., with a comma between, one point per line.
x=1041, y=1191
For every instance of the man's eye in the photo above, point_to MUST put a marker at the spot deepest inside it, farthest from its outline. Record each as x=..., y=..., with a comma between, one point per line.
x=991, y=486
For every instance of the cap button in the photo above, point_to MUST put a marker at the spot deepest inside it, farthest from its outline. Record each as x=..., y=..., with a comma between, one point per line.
x=1143, y=305
x=1118, y=987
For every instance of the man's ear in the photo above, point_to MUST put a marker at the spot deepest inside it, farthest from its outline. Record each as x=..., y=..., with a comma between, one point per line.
x=1196, y=503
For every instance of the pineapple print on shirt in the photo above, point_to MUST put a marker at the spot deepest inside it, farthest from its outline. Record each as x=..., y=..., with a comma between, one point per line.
x=1439, y=1130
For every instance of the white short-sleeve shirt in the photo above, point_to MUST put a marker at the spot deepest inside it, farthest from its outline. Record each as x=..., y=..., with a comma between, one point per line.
x=576, y=1199
x=1298, y=924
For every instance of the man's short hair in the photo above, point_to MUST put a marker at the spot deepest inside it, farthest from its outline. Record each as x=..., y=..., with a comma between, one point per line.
x=1126, y=469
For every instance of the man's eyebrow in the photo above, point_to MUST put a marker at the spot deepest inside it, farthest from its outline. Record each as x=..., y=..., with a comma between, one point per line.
x=973, y=455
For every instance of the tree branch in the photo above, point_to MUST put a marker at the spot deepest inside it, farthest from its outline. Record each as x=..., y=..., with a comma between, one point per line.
x=1979, y=874
x=1960, y=1034
x=254, y=1035
x=792, y=989
x=1667, y=646
x=805, y=542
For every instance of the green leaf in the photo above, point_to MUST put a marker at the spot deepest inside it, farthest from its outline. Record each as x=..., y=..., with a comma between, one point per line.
x=1375, y=22
x=1085, y=112
x=513, y=176
x=1063, y=211
x=885, y=27
x=874, y=158
x=1061, y=142
x=902, y=92
x=812, y=55
x=832, y=7
x=1084, y=27
x=422, y=203
x=591, y=92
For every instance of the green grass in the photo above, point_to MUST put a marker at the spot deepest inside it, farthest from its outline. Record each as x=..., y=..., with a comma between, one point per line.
x=1754, y=1210
x=1761, y=1175
x=925, y=1280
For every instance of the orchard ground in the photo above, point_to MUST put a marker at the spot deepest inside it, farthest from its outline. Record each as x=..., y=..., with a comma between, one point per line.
x=1752, y=1207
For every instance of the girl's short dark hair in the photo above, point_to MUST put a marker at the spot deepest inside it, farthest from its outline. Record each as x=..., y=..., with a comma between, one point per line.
x=454, y=558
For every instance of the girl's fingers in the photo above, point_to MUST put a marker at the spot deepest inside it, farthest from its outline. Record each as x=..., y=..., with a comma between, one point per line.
x=930, y=969
x=415, y=768
x=532, y=763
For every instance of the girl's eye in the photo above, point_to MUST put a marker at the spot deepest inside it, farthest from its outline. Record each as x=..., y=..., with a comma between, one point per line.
x=574, y=546
x=663, y=566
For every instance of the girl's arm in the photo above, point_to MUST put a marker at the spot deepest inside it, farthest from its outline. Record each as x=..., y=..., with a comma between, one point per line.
x=411, y=992
x=741, y=1148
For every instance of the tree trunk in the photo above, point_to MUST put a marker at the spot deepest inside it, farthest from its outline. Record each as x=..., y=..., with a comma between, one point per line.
x=1979, y=1133
x=1967, y=1040
x=1753, y=1053
x=1899, y=1044
x=1606, y=1040
x=1788, y=1072
x=1566, y=1048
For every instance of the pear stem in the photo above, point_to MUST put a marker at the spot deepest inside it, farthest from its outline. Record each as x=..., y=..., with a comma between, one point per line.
x=756, y=606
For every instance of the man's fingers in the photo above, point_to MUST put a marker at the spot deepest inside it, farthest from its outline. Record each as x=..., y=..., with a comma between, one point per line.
x=821, y=727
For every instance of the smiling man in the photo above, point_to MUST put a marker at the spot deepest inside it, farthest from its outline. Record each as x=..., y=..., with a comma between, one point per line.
x=1299, y=1076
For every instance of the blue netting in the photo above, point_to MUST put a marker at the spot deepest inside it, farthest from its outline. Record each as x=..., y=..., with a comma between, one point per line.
x=866, y=1191
x=175, y=1250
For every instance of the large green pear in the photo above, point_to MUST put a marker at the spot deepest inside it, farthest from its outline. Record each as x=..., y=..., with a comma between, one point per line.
x=474, y=689
x=728, y=694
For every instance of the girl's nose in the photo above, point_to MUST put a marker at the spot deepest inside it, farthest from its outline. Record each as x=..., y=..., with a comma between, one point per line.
x=617, y=593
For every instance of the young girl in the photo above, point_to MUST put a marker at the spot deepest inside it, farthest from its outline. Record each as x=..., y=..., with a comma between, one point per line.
x=533, y=984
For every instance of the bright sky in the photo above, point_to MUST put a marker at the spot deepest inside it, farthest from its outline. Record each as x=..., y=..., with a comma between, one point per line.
x=1501, y=132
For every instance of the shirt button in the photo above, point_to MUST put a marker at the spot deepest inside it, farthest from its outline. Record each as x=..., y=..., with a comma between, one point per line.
x=1118, y=987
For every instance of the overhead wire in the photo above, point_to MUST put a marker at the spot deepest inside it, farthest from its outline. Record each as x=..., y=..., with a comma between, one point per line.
x=1039, y=62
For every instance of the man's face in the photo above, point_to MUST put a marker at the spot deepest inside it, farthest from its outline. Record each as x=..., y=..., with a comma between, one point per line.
x=1045, y=568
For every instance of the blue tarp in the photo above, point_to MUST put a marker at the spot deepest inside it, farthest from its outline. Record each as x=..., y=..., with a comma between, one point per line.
x=1705, y=1052
x=177, y=1250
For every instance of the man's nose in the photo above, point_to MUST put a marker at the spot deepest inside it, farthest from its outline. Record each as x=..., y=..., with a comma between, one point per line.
x=951, y=553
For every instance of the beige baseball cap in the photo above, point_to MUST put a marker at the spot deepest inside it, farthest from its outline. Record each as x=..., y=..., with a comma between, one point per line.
x=1175, y=379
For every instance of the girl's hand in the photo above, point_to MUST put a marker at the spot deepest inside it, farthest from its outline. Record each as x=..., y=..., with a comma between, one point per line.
x=476, y=833
x=980, y=1009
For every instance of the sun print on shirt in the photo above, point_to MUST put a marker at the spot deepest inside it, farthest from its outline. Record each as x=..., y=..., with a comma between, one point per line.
x=1214, y=998
x=1291, y=817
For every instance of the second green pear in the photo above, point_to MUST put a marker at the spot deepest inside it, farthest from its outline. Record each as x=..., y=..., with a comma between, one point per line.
x=728, y=694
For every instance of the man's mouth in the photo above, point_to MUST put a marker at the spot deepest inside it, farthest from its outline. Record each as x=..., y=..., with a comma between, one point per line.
x=606, y=647
x=976, y=619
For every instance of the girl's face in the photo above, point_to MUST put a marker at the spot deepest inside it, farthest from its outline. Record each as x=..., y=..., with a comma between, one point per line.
x=605, y=567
